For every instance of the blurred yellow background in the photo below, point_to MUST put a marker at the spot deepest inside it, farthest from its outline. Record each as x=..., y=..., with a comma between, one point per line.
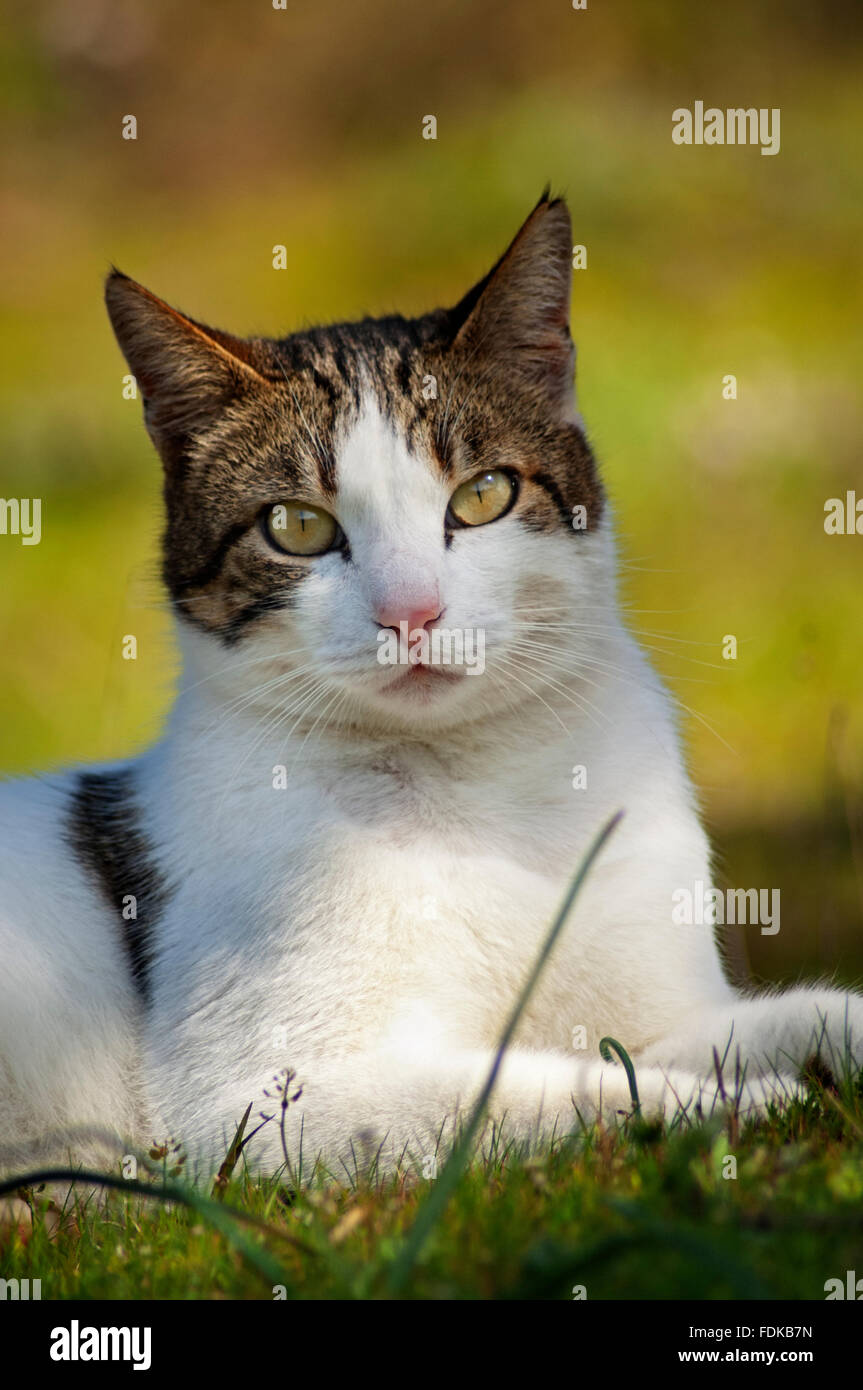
x=303, y=127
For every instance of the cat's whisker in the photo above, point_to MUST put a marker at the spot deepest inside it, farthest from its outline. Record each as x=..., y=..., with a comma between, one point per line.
x=688, y=709
x=580, y=700
x=599, y=634
x=337, y=700
x=509, y=666
x=640, y=632
x=647, y=569
x=582, y=659
x=623, y=674
x=248, y=698
x=242, y=664
x=561, y=675
x=536, y=620
x=511, y=703
x=578, y=668
x=578, y=623
x=591, y=607
x=303, y=704
x=274, y=715
x=270, y=725
x=615, y=676
x=615, y=673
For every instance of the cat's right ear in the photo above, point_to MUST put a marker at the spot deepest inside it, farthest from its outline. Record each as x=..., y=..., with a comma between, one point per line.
x=517, y=317
x=186, y=373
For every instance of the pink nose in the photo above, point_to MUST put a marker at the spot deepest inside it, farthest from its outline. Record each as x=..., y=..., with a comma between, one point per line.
x=422, y=613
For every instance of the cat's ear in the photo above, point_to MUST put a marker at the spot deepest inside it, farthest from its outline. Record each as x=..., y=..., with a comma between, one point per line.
x=186, y=373
x=517, y=317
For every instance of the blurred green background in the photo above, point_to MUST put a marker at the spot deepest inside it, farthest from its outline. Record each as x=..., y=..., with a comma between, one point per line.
x=303, y=127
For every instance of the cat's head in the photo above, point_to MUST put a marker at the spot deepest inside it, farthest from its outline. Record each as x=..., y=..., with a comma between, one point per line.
x=325, y=489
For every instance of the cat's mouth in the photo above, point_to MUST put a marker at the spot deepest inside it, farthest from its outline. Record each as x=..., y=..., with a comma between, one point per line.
x=422, y=681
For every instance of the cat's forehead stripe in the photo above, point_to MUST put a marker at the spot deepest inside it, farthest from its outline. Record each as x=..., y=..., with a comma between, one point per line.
x=333, y=373
x=379, y=476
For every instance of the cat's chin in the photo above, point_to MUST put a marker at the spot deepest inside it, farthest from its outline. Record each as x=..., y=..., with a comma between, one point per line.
x=421, y=697
x=422, y=684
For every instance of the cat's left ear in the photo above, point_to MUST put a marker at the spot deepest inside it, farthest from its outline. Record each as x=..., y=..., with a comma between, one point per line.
x=517, y=318
x=186, y=372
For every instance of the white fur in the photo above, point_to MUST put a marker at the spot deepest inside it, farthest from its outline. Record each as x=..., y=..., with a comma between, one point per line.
x=386, y=908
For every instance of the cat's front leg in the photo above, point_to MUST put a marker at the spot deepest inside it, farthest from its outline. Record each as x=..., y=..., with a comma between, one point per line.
x=767, y=1036
x=406, y=1112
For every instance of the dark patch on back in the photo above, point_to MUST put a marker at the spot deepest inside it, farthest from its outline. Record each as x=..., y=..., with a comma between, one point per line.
x=105, y=832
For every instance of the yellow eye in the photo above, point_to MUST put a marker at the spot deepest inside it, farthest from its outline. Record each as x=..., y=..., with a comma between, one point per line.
x=483, y=498
x=300, y=529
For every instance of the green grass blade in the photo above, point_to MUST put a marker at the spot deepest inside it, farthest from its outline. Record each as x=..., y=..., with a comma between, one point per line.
x=606, y=1047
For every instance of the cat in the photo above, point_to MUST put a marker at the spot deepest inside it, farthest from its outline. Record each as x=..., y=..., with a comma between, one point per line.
x=346, y=866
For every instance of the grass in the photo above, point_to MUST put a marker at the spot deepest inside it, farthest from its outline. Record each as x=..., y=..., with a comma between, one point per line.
x=637, y=1210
